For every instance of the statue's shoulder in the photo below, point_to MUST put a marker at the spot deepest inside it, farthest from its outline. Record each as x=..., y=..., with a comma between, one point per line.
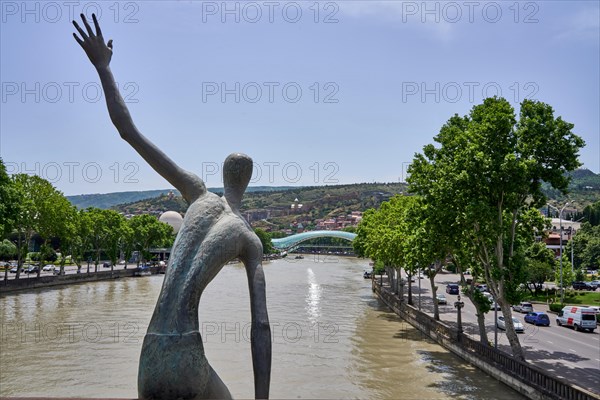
x=206, y=204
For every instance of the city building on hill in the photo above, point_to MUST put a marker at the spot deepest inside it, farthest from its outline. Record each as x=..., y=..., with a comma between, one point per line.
x=569, y=229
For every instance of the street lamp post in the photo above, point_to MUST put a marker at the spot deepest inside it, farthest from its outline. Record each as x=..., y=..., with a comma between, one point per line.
x=419, y=278
x=459, y=304
x=562, y=290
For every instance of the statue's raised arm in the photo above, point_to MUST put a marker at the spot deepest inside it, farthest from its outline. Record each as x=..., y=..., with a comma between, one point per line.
x=100, y=54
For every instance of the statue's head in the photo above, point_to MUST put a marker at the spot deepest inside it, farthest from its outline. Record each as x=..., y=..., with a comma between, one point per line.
x=237, y=171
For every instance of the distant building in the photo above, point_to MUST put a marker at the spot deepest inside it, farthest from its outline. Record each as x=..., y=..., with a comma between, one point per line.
x=569, y=229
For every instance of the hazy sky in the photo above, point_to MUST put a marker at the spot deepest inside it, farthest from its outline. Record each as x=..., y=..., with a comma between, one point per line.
x=316, y=93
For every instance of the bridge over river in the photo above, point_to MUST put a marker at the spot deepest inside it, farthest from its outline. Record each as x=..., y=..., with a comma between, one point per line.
x=292, y=241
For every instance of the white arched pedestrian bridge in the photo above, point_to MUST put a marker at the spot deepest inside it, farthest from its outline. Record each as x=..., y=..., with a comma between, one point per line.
x=294, y=240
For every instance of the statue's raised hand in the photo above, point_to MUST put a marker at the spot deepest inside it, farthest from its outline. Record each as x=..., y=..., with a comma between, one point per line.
x=93, y=44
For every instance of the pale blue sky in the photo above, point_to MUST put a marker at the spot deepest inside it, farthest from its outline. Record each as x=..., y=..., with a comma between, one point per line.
x=361, y=115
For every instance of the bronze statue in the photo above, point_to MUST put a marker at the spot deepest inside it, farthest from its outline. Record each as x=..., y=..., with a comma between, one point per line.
x=172, y=363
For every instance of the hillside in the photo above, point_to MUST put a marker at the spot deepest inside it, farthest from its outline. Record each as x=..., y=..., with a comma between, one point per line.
x=584, y=189
x=108, y=200
x=273, y=208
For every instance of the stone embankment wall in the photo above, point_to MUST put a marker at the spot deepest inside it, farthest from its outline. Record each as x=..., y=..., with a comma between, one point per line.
x=13, y=285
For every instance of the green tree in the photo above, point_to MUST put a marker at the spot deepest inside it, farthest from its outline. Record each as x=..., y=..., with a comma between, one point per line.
x=265, y=239
x=9, y=202
x=82, y=240
x=591, y=213
x=26, y=216
x=382, y=235
x=149, y=232
x=115, y=225
x=68, y=234
x=53, y=214
x=586, y=247
x=8, y=250
x=99, y=231
x=566, y=275
x=540, y=264
x=491, y=167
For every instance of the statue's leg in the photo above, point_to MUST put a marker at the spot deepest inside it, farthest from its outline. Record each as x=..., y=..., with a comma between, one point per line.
x=174, y=367
x=216, y=388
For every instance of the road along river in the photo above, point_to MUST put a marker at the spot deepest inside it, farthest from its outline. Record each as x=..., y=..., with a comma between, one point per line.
x=331, y=338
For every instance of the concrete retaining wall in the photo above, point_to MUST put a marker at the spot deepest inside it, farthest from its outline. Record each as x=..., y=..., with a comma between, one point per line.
x=13, y=285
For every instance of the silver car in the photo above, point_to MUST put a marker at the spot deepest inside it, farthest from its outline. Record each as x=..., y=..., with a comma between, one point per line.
x=500, y=323
x=441, y=299
x=524, y=307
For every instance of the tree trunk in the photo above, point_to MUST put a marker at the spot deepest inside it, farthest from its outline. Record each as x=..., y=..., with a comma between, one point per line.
x=511, y=334
x=478, y=313
x=19, y=256
x=436, y=312
x=410, y=300
x=481, y=325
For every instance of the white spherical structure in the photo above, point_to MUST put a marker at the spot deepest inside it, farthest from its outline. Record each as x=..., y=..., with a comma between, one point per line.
x=172, y=218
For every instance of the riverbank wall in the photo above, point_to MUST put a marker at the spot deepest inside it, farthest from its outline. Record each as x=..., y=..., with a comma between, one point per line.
x=16, y=285
x=523, y=377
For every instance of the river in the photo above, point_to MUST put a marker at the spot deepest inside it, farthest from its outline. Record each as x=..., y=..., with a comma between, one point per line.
x=331, y=338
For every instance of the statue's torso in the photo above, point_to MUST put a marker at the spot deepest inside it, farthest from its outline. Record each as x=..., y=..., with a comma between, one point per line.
x=211, y=235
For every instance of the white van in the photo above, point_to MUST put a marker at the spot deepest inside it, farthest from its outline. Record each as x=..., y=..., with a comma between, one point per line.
x=577, y=317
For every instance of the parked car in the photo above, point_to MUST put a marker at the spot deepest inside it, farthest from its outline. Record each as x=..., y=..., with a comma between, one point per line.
x=452, y=288
x=501, y=324
x=49, y=267
x=441, y=298
x=482, y=287
x=577, y=317
x=523, y=307
x=56, y=271
x=493, y=304
x=33, y=269
x=582, y=286
x=13, y=270
x=537, y=318
x=106, y=265
x=595, y=284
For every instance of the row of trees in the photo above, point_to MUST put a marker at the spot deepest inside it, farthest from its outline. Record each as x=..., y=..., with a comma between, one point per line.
x=475, y=200
x=30, y=206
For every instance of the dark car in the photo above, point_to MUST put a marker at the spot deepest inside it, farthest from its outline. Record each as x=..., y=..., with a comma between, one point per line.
x=537, y=318
x=452, y=288
x=582, y=286
x=32, y=270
